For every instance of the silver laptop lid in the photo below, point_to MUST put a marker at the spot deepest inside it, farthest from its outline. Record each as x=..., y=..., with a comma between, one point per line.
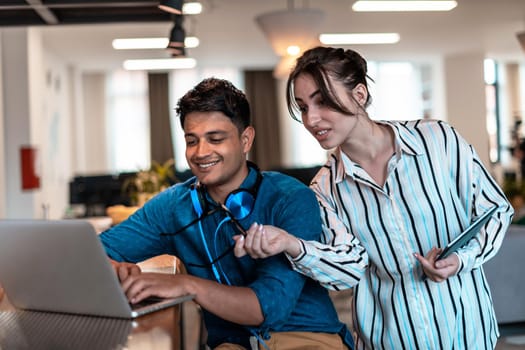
x=61, y=266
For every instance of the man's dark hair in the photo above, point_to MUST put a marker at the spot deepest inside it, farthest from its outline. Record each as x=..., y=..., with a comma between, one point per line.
x=216, y=95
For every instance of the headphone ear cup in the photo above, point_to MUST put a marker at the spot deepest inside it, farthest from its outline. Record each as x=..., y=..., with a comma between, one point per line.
x=196, y=200
x=240, y=203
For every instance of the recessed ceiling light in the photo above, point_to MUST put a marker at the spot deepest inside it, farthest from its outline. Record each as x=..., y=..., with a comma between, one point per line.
x=407, y=5
x=359, y=38
x=191, y=42
x=192, y=8
x=162, y=64
x=293, y=50
x=151, y=43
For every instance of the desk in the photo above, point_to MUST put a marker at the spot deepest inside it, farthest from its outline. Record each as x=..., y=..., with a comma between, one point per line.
x=43, y=330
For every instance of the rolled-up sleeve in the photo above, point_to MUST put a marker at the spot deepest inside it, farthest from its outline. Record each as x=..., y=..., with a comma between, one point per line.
x=338, y=260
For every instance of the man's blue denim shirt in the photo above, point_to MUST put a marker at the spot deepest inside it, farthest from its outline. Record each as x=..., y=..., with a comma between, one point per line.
x=289, y=300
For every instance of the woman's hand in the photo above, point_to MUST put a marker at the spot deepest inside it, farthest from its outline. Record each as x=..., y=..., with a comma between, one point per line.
x=262, y=241
x=438, y=270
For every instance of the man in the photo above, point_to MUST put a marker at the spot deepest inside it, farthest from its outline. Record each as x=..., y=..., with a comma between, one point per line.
x=243, y=299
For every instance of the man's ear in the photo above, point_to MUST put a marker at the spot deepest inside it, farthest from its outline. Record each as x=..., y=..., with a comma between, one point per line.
x=360, y=94
x=247, y=137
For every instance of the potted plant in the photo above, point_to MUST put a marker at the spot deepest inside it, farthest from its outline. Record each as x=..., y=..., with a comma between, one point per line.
x=147, y=183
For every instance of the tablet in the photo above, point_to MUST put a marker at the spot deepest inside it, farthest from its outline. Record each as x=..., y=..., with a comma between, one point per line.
x=467, y=234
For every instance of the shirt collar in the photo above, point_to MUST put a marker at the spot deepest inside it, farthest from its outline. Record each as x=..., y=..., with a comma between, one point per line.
x=405, y=142
x=405, y=139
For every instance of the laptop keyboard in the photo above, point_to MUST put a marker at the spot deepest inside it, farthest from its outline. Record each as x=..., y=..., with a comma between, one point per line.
x=144, y=303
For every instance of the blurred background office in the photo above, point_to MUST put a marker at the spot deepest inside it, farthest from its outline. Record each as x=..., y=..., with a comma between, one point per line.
x=76, y=115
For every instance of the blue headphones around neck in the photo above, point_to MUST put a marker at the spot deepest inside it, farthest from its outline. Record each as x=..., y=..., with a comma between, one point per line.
x=239, y=202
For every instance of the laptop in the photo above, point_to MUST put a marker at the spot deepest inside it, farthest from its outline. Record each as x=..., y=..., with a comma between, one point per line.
x=61, y=266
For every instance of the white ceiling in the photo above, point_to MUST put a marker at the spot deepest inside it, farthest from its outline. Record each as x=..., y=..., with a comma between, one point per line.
x=229, y=35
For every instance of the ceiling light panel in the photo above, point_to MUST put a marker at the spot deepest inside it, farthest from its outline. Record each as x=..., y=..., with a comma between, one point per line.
x=190, y=42
x=407, y=5
x=140, y=43
x=160, y=64
x=359, y=38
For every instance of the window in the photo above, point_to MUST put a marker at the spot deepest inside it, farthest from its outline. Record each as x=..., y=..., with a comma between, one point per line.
x=127, y=121
x=492, y=117
x=396, y=91
x=399, y=91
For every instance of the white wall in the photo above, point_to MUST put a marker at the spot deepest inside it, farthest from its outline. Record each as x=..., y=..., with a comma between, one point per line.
x=465, y=98
x=439, y=106
x=37, y=92
x=36, y=112
x=77, y=134
x=16, y=118
x=94, y=123
x=52, y=120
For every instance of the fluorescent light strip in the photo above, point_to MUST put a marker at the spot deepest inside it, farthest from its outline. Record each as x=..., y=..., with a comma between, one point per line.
x=192, y=8
x=407, y=5
x=151, y=43
x=140, y=43
x=188, y=8
x=359, y=38
x=156, y=64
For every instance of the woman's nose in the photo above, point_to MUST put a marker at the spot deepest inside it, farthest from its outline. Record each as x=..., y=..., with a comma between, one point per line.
x=311, y=118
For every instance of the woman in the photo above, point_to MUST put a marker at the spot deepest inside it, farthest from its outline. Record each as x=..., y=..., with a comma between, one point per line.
x=392, y=195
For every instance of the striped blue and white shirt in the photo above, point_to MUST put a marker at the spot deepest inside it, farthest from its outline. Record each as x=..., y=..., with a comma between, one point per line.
x=436, y=186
